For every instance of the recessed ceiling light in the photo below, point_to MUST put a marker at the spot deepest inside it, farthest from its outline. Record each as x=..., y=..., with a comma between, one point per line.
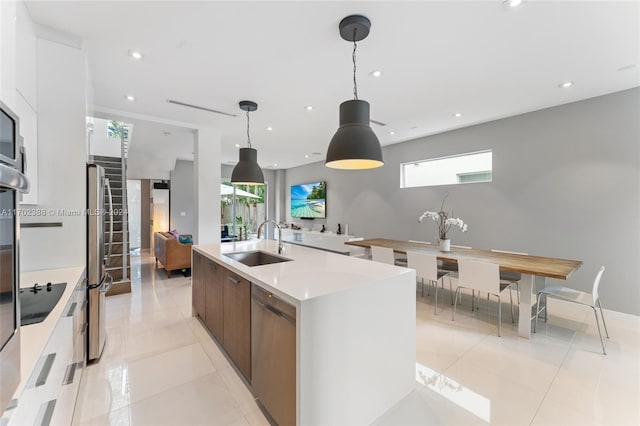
x=565, y=85
x=309, y=108
x=457, y=115
x=135, y=54
x=306, y=156
x=237, y=145
x=376, y=73
x=275, y=164
x=269, y=129
x=392, y=132
x=130, y=98
x=513, y=3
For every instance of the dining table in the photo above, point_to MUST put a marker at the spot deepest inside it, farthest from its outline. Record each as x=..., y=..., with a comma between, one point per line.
x=534, y=269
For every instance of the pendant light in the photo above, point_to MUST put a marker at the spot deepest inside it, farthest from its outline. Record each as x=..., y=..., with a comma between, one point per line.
x=354, y=146
x=247, y=171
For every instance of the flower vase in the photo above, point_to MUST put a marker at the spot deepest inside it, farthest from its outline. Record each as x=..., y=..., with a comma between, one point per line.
x=445, y=245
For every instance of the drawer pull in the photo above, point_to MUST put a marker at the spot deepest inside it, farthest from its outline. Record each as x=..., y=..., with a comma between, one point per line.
x=72, y=309
x=46, y=369
x=69, y=374
x=234, y=280
x=47, y=412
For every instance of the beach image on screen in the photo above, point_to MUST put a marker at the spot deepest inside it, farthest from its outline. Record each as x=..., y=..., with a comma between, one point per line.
x=308, y=200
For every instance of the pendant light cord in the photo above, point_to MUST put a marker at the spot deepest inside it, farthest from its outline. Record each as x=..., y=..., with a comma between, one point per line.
x=353, y=57
x=248, y=136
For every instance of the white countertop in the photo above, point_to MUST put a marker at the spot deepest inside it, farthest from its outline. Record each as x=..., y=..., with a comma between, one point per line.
x=34, y=337
x=311, y=273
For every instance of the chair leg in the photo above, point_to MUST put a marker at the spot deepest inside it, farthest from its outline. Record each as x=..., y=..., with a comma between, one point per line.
x=595, y=312
x=435, y=301
x=511, y=300
x=455, y=304
x=422, y=286
x=473, y=299
x=602, y=315
x=451, y=291
x=546, y=307
x=535, y=322
x=518, y=291
x=499, y=316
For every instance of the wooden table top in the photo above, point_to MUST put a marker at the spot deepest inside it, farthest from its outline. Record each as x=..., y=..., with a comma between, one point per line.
x=533, y=265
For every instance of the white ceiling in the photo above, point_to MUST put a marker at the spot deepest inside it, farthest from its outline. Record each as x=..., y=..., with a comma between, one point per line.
x=479, y=58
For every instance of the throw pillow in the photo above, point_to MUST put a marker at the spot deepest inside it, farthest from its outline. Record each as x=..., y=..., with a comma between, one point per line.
x=185, y=239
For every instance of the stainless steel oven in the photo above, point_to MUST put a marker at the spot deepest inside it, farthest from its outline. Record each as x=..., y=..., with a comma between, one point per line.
x=12, y=183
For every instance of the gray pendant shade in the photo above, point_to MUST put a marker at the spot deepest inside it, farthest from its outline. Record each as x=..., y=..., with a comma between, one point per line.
x=247, y=171
x=354, y=146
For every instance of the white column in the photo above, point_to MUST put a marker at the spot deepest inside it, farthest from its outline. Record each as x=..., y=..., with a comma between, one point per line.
x=206, y=186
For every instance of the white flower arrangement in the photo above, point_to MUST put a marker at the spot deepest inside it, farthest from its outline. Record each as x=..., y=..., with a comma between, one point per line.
x=443, y=221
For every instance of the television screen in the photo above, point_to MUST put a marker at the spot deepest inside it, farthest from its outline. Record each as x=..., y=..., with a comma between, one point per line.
x=309, y=200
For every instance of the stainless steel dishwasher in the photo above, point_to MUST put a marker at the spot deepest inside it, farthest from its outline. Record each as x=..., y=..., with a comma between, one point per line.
x=273, y=355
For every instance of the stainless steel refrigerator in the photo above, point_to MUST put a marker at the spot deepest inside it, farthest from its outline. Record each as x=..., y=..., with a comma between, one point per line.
x=99, y=223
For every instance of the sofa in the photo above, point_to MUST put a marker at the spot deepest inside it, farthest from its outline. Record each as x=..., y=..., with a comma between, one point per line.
x=170, y=252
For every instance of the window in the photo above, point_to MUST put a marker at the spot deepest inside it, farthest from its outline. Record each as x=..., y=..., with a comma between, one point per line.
x=472, y=167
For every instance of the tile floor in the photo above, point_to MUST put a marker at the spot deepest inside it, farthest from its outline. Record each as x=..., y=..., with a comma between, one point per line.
x=160, y=367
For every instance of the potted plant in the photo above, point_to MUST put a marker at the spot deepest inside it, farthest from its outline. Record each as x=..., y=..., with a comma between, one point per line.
x=444, y=224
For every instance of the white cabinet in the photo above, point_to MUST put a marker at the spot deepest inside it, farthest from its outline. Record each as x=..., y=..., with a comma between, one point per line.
x=320, y=240
x=29, y=133
x=49, y=396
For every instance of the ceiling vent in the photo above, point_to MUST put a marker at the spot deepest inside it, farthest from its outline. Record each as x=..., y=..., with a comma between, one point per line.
x=171, y=101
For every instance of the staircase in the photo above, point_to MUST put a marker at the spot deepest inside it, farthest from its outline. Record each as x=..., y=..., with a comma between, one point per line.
x=119, y=263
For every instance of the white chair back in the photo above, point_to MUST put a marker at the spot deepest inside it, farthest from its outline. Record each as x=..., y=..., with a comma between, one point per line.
x=596, y=284
x=480, y=276
x=382, y=254
x=426, y=265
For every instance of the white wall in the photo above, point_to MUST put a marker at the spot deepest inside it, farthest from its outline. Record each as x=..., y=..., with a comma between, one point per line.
x=101, y=143
x=61, y=94
x=182, y=212
x=566, y=183
x=206, y=180
x=27, y=97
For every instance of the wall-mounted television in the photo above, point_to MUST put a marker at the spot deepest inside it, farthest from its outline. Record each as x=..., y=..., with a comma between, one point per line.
x=308, y=200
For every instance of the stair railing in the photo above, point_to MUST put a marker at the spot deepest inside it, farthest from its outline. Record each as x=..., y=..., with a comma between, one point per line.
x=124, y=148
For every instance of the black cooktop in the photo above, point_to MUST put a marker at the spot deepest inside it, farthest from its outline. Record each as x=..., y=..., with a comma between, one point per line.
x=36, y=302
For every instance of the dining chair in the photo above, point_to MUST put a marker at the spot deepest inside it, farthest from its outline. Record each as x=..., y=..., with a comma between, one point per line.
x=452, y=268
x=356, y=251
x=426, y=266
x=567, y=294
x=509, y=276
x=383, y=255
x=482, y=276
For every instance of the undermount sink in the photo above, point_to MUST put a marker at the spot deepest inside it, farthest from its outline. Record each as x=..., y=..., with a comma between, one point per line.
x=255, y=258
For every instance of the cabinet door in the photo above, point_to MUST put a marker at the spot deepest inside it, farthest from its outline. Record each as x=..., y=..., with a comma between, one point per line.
x=237, y=321
x=214, y=298
x=198, y=289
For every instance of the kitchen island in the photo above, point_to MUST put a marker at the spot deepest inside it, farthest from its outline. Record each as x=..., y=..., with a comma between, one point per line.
x=354, y=326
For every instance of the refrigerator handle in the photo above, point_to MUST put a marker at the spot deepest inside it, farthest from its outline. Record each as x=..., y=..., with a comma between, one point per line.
x=108, y=185
x=104, y=288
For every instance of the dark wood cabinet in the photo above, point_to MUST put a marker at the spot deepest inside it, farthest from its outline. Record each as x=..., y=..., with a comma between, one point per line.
x=222, y=299
x=198, y=289
x=237, y=321
x=214, y=298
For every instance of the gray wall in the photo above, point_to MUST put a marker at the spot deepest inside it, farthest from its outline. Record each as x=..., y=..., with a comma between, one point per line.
x=182, y=198
x=566, y=183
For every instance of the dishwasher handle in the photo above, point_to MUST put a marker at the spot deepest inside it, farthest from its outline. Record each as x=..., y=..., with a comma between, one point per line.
x=274, y=310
